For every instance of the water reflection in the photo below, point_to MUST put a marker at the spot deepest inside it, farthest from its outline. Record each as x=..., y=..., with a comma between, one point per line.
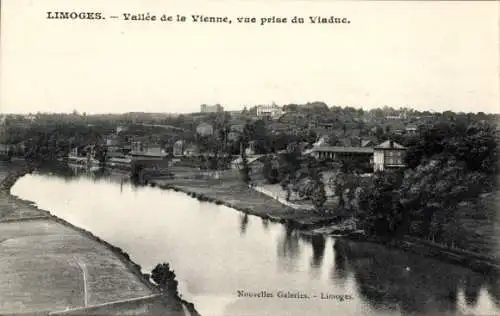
x=288, y=248
x=472, y=287
x=245, y=252
x=265, y=223
x=340, y=267
x=318, y=243
x=243, y=224
x=411, y=284
x=494, y=288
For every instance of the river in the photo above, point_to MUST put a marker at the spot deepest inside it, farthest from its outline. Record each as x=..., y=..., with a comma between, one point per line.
x=217, y=251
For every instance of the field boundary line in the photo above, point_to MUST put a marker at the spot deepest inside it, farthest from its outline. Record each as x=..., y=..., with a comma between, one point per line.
x=106, y=304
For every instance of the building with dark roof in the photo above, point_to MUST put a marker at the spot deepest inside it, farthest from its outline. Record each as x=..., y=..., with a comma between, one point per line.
x=387, y=155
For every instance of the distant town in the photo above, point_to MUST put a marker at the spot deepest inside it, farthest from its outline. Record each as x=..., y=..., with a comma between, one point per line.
x=419, y=181
x=378, y=139
x=267, y=145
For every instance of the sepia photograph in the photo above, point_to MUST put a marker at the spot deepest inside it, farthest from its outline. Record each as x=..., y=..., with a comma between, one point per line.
x=249, y=158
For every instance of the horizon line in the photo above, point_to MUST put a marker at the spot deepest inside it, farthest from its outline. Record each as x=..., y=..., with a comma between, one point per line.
x=81, y=113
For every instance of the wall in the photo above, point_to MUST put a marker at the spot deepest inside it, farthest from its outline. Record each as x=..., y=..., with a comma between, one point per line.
x=378, y=160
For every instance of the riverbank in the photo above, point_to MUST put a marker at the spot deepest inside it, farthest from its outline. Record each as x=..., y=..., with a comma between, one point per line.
x=471, y=260
x=55, y=267
x=234, y=194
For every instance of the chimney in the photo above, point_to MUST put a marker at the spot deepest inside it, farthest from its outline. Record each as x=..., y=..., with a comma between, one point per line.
x=391, y=144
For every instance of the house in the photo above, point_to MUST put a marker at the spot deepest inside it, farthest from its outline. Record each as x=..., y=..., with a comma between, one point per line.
x=84, y=155
x=411, y=129
x=255, y=164
x=116, y=159
x=272, y=111
x=205, y=129
x=4, y=152
x=143, y=149
x=396, y=126
x=204, y=108
x=178, y=148
x=149, y=155
x=388, y=155
x=342, y=152
x=113, y=143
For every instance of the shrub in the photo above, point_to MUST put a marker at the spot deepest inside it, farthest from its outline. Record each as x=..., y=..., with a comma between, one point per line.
x=165, y=278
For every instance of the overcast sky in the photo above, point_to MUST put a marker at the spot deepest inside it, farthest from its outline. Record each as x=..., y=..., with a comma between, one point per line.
x=427, y=55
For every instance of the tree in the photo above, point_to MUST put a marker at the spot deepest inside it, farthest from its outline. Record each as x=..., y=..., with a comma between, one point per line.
x=260, y=137
x=382, y=216
x=318, y=195
x=244, y=141
x=165, y=278
x=269, y=171
x=289, y=164
x=245, y=170
x=333, y=140
x=338, y=188
x=137, y=172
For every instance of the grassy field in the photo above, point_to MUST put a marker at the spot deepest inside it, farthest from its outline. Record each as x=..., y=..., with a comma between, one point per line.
x=233, y=193
x=480, y=222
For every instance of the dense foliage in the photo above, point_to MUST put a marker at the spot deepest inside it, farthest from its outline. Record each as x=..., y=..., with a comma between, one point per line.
x=451, y=165
x=165, y=278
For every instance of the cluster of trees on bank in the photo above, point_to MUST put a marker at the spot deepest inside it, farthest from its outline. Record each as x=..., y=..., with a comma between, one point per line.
x=448, y=164
x=445, y=170
x=52, y=139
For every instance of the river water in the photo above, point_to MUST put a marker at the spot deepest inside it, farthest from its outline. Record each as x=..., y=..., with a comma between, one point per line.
x=217, y=252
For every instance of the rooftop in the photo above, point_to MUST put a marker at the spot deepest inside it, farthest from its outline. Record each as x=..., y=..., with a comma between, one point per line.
x=389, y=145
x=342, y=149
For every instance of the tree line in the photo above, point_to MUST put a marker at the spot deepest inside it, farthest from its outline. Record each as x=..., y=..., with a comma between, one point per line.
x=448, y=164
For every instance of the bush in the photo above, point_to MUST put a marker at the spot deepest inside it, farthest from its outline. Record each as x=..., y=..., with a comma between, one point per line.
x=165, y=278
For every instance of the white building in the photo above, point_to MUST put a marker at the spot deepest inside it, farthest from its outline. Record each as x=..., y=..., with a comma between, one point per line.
x=205, y=129
x=204, y=108
x=388, y=155
x=178, y=149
